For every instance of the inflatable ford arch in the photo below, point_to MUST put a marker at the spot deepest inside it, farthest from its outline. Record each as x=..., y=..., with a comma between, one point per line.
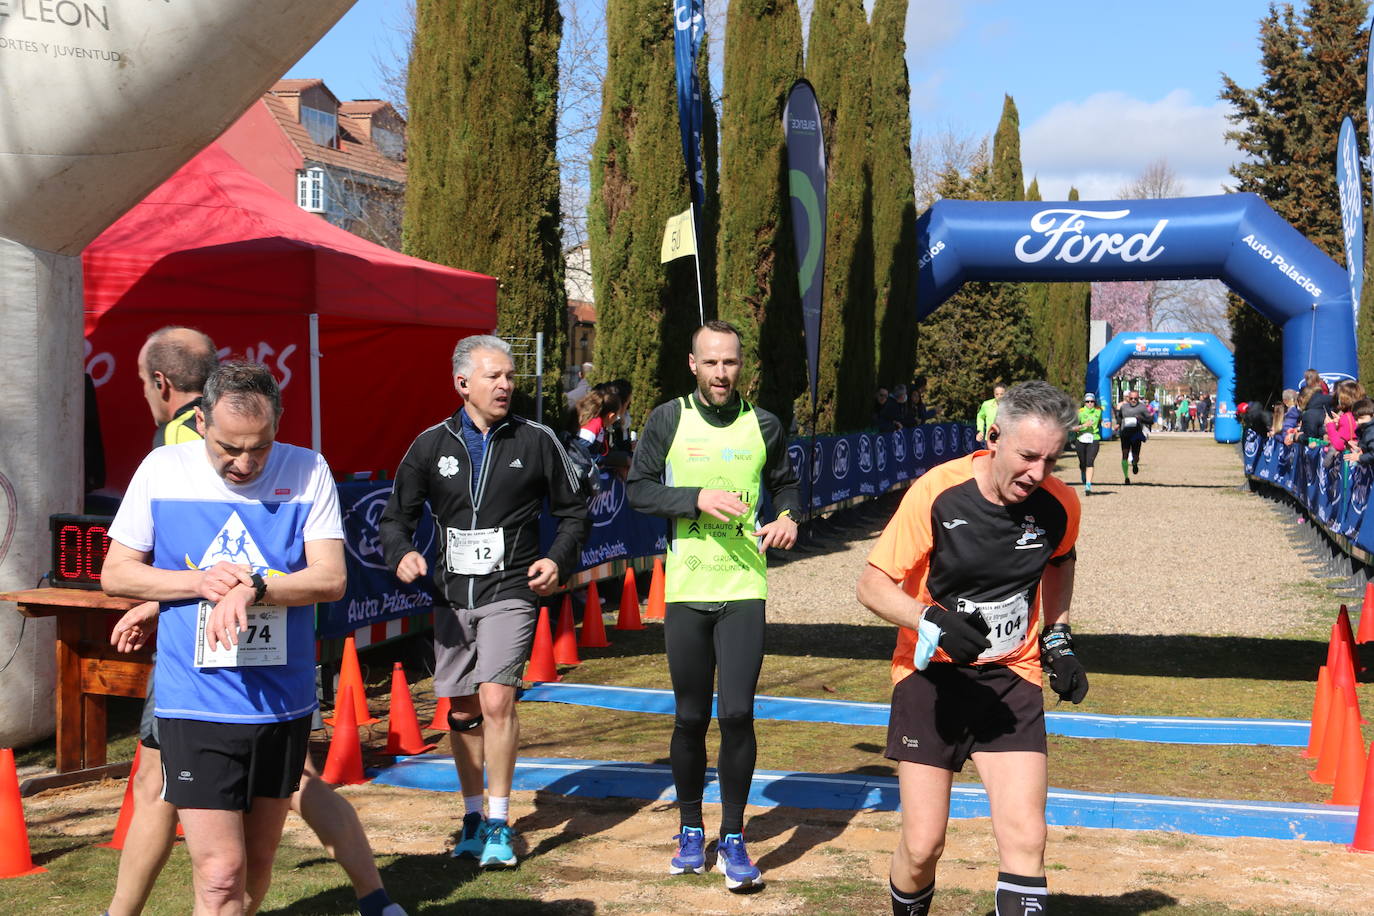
x=1207, y=348
x=1235, y=238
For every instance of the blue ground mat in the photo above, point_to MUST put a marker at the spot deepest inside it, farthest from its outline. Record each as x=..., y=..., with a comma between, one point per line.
x=1158, y=729
x=854, y=792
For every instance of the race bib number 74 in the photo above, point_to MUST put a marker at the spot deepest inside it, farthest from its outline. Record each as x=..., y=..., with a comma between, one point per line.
x=262, y=642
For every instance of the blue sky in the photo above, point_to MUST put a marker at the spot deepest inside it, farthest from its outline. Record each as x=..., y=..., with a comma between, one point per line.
x=1104, y=87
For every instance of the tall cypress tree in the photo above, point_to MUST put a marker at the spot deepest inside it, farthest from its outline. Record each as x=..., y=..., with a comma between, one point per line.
x=1039, y=300
x=1287, y=128
x=977, y=337
x=645, y=310
x=482, y=191
x=894, y=197
x=839, y=43
x=757, y=267
x=1068, y=320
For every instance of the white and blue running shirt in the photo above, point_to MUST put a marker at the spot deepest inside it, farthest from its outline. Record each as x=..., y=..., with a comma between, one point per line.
x=188, y=517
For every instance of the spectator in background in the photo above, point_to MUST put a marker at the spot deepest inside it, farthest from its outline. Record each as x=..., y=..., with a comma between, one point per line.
x=1204, y=413
x=596, y=414
x=879, y=402
x=890, y=417
x=1182, y=411
x=1315, y=408
x=1292, y=416
x=918, y=412
x=1363, y=448
x=1170, y=417
x=987, y=414
x=1340, y=422
x=579, y=391
x=1192, y=414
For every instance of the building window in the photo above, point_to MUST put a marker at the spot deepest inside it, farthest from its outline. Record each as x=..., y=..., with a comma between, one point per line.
x=322, y=126
x=310, y=190
x=391, y=144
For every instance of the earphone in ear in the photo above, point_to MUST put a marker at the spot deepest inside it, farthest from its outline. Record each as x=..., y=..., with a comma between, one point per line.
x=992, y=434
x=462, y=383
x=157, y=383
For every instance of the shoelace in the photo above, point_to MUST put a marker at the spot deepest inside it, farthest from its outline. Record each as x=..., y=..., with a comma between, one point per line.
x=690, y=843
x=735, y=853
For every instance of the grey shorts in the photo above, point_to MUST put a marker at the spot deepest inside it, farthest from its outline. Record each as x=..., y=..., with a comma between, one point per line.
x=147, y=723
x=485, y=645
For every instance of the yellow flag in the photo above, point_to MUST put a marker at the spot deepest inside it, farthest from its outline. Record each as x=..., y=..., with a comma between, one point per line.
x=678, y=239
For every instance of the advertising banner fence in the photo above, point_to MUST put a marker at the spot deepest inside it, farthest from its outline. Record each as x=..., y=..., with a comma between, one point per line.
x=842, y=468
x=1332, y=491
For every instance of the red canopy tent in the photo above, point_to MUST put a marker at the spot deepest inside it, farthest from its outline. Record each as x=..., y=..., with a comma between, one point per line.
x=359, y=336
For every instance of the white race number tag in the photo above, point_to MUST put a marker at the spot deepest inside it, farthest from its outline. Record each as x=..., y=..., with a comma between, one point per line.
x=1085, y=437
x=262, y=643
x=476, y=551
x=1128, y=422
x=1007, y=621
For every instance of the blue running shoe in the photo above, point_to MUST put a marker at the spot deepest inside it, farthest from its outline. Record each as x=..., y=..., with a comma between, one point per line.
x=732, y=860
x=691, y=852
x=474, y=836
x=498, y=852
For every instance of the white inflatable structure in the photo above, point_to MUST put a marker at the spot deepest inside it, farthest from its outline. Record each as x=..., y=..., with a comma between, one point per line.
x=102, y=101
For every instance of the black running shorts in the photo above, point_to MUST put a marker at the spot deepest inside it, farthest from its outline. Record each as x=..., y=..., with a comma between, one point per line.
x=225, y=766
x=946, y=713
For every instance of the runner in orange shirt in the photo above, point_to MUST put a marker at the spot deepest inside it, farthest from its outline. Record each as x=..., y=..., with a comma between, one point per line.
x=980, y=550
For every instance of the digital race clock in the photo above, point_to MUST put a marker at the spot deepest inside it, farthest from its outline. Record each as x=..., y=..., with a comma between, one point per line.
x=79, y=544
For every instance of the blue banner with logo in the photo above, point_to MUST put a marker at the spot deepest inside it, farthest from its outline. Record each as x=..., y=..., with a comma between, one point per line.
x=1351, y=191
x=1331, y=490
x=868, y=464
x=689, y=26
x=807, y=196
x=374, y=594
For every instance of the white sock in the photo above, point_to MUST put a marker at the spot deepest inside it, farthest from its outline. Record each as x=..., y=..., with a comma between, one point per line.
x=472, y=803
x=500, y=808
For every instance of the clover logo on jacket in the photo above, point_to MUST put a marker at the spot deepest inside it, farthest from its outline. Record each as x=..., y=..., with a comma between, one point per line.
x=448, y=466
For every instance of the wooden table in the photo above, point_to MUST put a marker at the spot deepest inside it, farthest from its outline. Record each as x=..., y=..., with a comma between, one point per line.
x=89, y=669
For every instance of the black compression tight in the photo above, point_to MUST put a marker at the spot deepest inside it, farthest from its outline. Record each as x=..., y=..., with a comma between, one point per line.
x=702, y=638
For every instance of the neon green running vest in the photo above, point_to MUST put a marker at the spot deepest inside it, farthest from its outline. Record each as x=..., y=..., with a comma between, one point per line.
x=711, y=560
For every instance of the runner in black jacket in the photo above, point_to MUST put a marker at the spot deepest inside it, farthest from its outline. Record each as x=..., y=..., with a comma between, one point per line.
x=486, y=476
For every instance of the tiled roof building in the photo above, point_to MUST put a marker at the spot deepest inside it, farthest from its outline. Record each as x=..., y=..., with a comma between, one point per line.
x=342, y=160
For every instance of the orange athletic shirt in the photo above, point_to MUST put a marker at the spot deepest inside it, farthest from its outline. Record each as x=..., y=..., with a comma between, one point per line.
x=947, y=542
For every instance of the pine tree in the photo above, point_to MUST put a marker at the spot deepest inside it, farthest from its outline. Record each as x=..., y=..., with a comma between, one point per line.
x=894, y=199
x=1040, y=300
x=1287, y=128
x=839, y=44
x=646, y=311
x=482, y=192
x=757, y=266
x=1069, y=321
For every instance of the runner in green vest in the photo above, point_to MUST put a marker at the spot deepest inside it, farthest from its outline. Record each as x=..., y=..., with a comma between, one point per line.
x=702, y=462
x=987, y=414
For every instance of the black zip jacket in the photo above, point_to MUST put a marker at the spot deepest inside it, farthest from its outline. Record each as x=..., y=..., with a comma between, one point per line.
x=524, y=464
x=650, y=495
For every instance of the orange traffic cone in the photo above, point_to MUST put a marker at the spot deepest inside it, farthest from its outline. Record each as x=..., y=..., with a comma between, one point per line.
x=1350, y=762
x=657, y=608
x=1348, y=635
x=403, y=727
x=1366, y=633
x=351, y=673
x=126, y=808
x=15, y=859
x=1321, y=708
x=565, y=636
x=628, y=618
x=593, y=627
x=542, y=669
x=441, y=709
x=1343, y=678
x=344, y=765
x=1364, y=823
x=1330, y=755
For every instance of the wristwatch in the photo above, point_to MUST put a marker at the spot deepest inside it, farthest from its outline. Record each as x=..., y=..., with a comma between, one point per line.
x=259, y=587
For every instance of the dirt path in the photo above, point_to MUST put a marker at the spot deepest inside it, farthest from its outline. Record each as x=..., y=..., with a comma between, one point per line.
x=1189, y=542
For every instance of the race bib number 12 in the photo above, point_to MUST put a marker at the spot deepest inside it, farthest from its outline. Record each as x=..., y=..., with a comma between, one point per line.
x=476, y=551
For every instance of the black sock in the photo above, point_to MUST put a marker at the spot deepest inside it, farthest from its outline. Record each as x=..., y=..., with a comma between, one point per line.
x=374, y=903
x=917, y=904
x=1018, y=895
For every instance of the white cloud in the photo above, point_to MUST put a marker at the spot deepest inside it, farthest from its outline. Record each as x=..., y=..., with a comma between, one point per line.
x=1106, y=141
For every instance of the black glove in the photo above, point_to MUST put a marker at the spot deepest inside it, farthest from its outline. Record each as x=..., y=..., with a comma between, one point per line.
x=1068, y=677
x=962, y=636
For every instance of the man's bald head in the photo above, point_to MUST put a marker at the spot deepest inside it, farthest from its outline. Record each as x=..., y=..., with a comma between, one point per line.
x=173, y=366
